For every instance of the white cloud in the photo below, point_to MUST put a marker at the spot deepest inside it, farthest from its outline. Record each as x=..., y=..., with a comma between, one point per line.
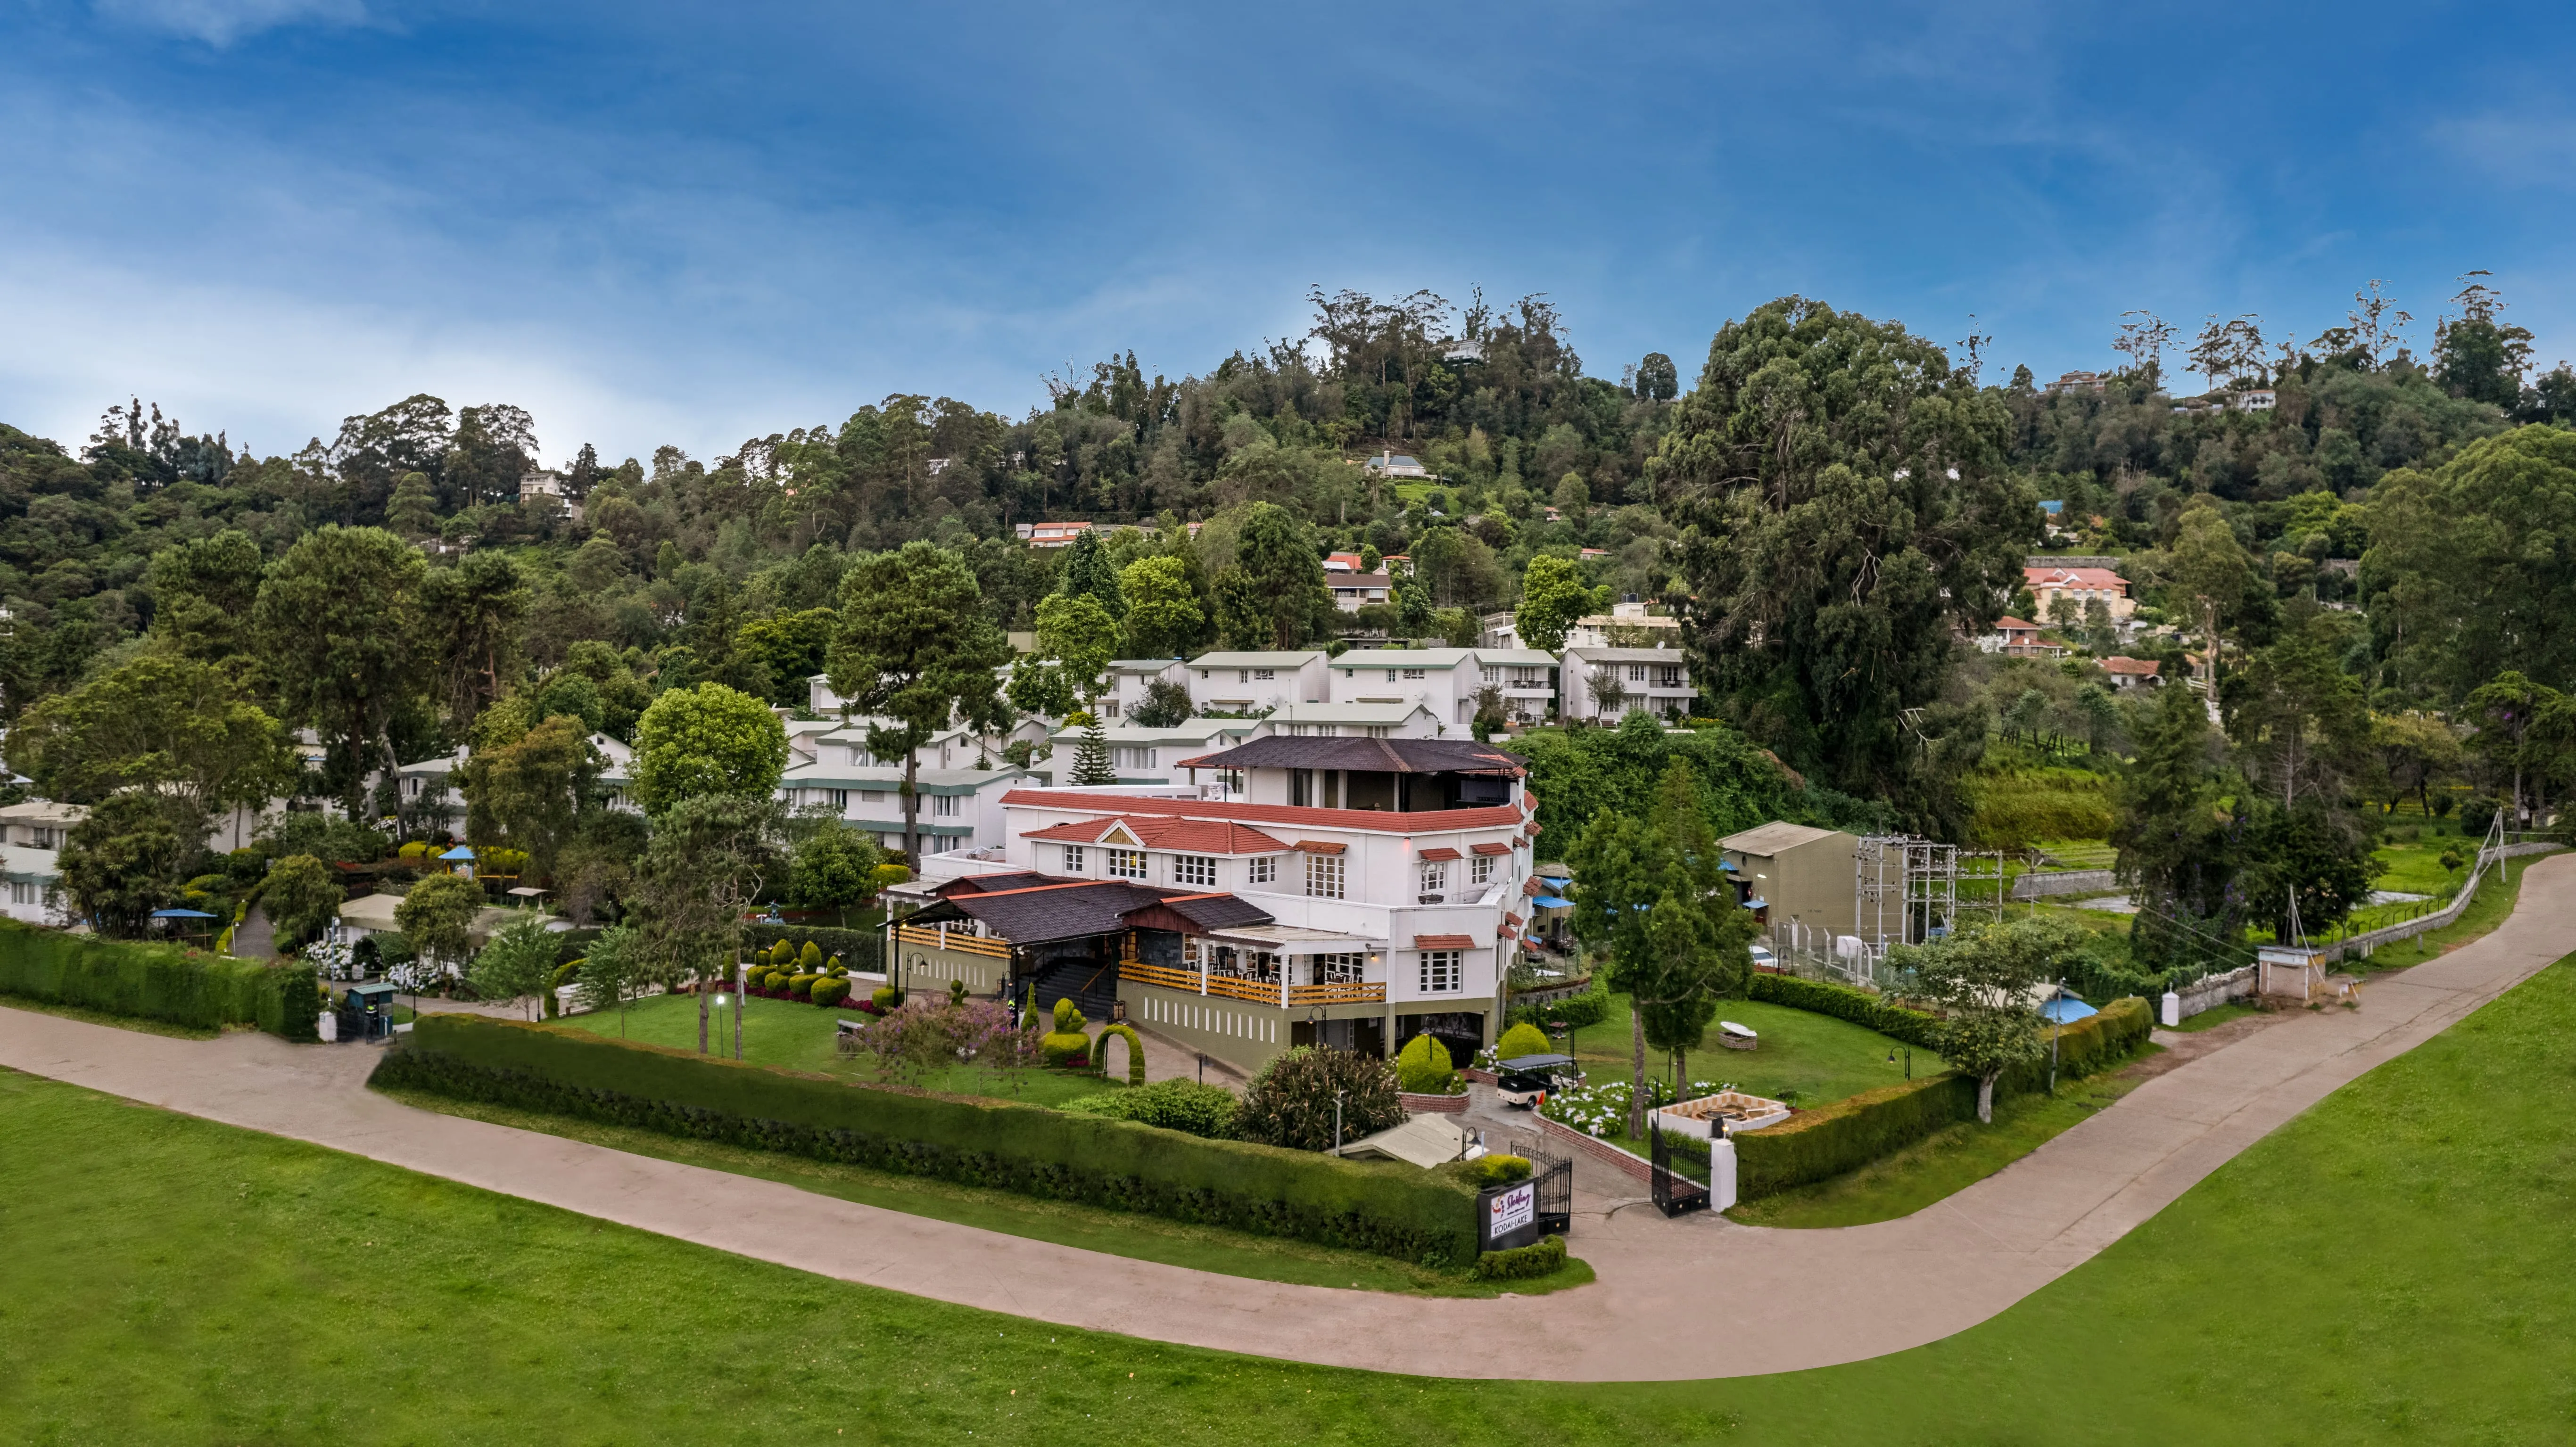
x=221, y=22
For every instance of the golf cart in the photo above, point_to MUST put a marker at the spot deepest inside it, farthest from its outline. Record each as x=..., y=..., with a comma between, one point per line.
x=1525, y=1080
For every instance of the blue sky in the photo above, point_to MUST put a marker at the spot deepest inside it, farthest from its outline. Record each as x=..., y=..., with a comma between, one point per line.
x=652, y=223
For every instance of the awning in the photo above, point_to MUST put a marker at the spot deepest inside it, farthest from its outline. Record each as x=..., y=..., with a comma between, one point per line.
x=1549, y=901
x=2065, y=1009
x=181, y=914
x=1562, y=882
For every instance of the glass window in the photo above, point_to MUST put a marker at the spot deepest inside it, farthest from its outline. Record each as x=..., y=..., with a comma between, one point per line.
x=1444, y=972
x=840, y=799
x=1264, y=870
x=1324, y=876
x=943, y=806
x=1413, y=673
x=1073, y=858
x=1264, y=675
x=1193, y=869
x=1126, y=863
x=1435, y=877
x=1390, y=675
x=1480, y=870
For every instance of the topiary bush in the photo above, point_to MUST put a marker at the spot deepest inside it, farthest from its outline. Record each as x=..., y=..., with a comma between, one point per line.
x=800, y=987
x=829, y=991
x=1522, y=1039
x=1290, y=1103
x=1182, y=1105
x=1490, y=1170
x=1542, y=1257
x=1135, y=1052
x=810, y=958
x=1066, y=1046
x=885, y=997
x=1424, y=1067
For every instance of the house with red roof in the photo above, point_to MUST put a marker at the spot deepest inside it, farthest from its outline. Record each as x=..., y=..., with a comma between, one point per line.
x=2132, y=673
x=2081, y=587
x=1348, y=892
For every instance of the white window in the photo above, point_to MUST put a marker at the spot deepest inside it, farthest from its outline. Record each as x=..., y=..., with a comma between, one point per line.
x=1243, y=675
x=1135, y=758
x=22, y=892
x=1126, y=863
x=1073, y=859
x=943, y=806
x=1264, y=675
x=1410, y=673
x=1324, y=876
x=1264, y=870
x=1435, y=877
x=840, y=799
x=1390, y=675
x=1109, y=708
x=1636, y=673
x=872, y=796
x=1377, y=731
x=1480, y=870
x=1444, y=972
x=1193, y=869
x=1668, y=677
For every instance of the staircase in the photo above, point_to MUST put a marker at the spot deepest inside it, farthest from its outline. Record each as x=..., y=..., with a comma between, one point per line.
x=1091, y=984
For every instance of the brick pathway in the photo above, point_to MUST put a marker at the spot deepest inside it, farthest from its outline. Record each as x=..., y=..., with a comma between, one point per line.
x=1698, y=1297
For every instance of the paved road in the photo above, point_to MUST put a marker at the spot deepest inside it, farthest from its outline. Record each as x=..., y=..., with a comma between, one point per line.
x=1698, y=1297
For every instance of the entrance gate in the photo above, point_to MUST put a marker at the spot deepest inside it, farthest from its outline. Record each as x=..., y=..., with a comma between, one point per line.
x=1674, y=1193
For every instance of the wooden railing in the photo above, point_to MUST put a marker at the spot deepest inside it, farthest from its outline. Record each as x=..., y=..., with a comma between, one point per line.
x=1168, y=978
x=1255, y=992
x=931, y=937
x=1351, y=992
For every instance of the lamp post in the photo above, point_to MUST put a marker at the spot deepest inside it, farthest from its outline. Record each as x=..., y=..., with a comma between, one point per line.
x=1337, y=1122
x=741, y=973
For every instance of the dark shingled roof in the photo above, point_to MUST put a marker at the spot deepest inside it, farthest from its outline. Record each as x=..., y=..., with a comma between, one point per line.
x=992, y=883
x=1040, y=914
x=1391, y=756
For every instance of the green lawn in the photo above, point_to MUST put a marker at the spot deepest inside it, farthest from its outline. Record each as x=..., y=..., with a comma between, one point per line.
x=1944, y=1163
x=782, y=1032
x=2389, y=1267
x=1821, y=1058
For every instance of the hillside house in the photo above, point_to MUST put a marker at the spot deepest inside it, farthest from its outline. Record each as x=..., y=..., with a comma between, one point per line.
x=1350, y=893
x=1656, y=680
x=1443, y=680
x=2079, y=587
x=1246, y=682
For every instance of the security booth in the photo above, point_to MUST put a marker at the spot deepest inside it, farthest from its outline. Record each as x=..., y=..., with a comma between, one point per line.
x=367, y=1012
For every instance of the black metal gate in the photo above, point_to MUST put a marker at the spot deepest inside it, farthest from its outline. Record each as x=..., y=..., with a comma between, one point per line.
x=1555, y=1177
x=1673, y=1192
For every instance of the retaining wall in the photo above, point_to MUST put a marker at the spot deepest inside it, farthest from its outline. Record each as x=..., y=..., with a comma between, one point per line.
x=2066, y=881
x=1432, y=1104
x=2363, y=944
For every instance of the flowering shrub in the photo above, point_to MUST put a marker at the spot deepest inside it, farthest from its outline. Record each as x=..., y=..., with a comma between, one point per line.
x=1602, y=1110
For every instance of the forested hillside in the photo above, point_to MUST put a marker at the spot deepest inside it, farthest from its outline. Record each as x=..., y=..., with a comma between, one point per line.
x=1829, y=502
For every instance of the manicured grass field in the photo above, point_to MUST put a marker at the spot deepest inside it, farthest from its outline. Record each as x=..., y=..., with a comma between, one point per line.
x=2389, y=1267
x=1944, y=1163
x=782, y=1032
x=1821, y=1058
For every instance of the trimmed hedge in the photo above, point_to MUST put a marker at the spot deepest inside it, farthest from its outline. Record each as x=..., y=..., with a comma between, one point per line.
x=1845, y=1003
x=1390, y=1209
x=858, y=948
x=1521, y=1263
x=1813, y=1145
x=157, y=982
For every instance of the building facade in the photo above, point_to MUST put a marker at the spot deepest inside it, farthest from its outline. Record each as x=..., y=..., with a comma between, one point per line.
x=1250, y=682
x=1349, y=893
x=1656, y=680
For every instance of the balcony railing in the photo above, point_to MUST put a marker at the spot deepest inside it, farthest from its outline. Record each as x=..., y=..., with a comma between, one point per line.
x=937, y=937
x=1253, y=992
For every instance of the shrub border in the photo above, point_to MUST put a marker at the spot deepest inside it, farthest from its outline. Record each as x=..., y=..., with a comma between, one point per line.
x=146, y=981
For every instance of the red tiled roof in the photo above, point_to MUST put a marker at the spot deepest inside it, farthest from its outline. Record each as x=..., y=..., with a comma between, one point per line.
x=1193, y=836
x=1441, y=854
x=1373, y=821
x=1531, y=888
x=2142, y=667
x=1444, y=942
x=1490, y=847
x=2015, y=624
x=1511, y=921
x=2038, y=578
x=1316, y=846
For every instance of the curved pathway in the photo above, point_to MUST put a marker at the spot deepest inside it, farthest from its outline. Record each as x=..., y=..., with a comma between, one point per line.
x=1699, y=1297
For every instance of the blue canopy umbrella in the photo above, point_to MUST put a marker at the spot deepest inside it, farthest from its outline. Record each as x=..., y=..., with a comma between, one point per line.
x=181, y=914
x=2065, y=1010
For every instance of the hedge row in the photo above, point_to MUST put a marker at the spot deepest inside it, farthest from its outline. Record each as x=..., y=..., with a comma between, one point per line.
x=861, y=950
x=1394, y=1210
x=1845, y=1003
x=1814, y=1145
x=1523, y=1263
x=157, y=981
